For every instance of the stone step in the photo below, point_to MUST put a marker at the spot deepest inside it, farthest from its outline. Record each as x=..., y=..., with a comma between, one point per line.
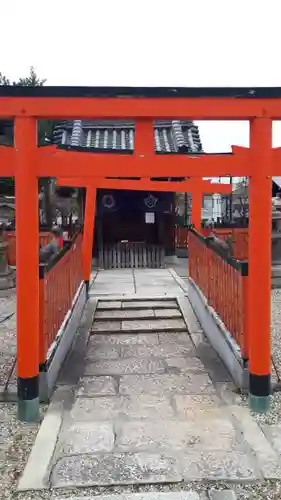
x=136, y=304
x=139, y=325
x=181, y=495
x=173, y=495
x=110, y=314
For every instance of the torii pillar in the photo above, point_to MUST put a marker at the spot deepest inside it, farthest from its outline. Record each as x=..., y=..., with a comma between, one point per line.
x=196, y=210
x=27, y=255
x=259, y=297
x=88, y=233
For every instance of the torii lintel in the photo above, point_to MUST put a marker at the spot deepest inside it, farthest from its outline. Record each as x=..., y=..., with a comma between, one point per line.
x=190, y=185
x=53, y=162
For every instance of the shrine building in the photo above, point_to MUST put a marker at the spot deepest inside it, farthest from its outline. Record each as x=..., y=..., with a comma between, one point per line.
x=131, y=227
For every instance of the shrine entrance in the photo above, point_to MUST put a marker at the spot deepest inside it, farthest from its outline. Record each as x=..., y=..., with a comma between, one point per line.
x=27, y=162
x=132, y=224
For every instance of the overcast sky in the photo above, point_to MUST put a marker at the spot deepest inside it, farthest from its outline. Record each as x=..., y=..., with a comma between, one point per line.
x=148, y=43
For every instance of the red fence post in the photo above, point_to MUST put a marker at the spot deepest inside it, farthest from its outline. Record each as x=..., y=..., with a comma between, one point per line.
x=42, y=336
x=245, y=299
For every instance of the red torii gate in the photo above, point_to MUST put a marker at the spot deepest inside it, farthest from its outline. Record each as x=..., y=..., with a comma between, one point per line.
x=198, y=187
x=25, y=105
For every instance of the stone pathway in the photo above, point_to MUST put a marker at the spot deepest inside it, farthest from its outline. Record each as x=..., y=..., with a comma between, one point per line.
x=151, y=404
x=142, y=400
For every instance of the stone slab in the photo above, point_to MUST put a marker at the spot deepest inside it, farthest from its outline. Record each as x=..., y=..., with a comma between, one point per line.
x=110, y=469
x=97, y=386
x=149, y=304
x=106, y=326
x=154, y=285
x=189, y=316
x=123, y=339
x=174, y=495
x=156, y=325
x=198, y=338
x=267, y=458
x=114, y=288
x=88, y=437
x=111, y=278
x=222, y=495
x=167, y=313
x=103, y=289
x=190, y=406
x=166, y=383
x=184, y=364
x=160, y=291
x=175, y=435
x=36, y=469
x=126, y=314
x=273, y=434
x=147, y=406
x=115, y=273
x=219, y=466
x=97, y=409
x=175, y=337
x=140, y=406
x=109, y=304
x=125, y=366
x=157, y=351
x=213, y=363
x=102, y=352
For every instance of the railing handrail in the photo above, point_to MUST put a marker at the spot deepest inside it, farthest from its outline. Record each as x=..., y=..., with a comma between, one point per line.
x=240, y=265
x=46, y=267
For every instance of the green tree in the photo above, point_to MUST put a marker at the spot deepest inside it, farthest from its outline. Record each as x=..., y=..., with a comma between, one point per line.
x=4, y=80
x=45, y=133
x=32, y=80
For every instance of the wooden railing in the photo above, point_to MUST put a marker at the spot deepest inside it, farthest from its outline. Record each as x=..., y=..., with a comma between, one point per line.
x=239, y=238
x=223, y=281
x=58, y=284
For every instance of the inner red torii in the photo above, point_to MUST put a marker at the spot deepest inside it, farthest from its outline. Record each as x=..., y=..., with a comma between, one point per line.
x=25, y=105
x=198, y=187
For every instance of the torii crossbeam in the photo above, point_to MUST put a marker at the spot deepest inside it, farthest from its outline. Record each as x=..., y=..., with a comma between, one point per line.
x=143, y=105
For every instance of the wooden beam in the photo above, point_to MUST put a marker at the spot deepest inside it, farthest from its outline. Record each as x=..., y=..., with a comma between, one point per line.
x=53, y=162
x=189, y=185
x=214, y=108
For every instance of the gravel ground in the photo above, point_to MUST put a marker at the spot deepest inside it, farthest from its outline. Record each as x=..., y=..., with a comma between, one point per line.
x=16, y=439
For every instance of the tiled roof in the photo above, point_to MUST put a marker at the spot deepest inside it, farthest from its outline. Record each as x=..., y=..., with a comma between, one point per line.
x=170, y=136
